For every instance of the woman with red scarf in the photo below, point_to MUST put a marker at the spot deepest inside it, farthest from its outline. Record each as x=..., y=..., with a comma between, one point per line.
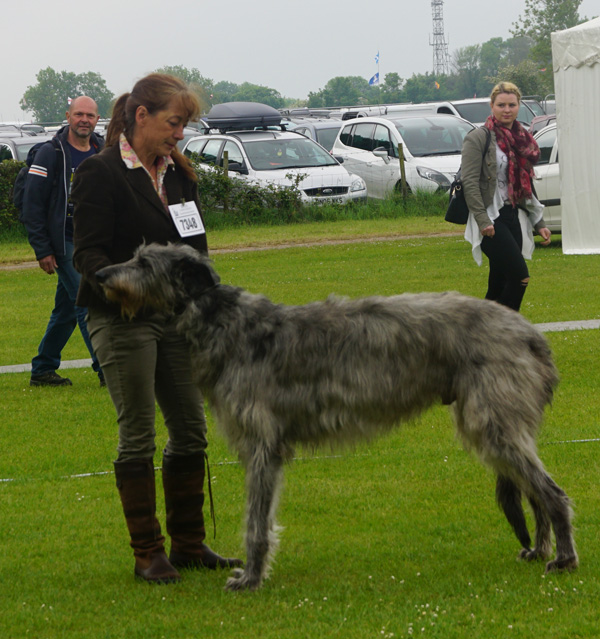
x=503, y=210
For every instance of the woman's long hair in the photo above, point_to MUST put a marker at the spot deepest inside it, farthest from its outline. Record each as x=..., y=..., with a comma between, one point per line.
x=156, y=91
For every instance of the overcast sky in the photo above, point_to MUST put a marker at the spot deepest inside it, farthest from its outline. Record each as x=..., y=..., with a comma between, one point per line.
x=293, y=47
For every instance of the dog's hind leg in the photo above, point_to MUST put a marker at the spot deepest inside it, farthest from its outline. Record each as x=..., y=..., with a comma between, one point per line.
x=552, y=499
x=264, y=475
x=508, y=496
x=549, y=502
x=543, y=530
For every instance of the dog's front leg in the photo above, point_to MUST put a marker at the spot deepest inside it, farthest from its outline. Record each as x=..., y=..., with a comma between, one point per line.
x=264, y=475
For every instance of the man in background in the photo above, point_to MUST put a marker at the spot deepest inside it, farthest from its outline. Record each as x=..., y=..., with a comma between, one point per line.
x=48, y=218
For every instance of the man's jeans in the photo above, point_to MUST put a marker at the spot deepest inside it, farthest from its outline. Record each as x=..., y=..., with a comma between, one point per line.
x=63, y=320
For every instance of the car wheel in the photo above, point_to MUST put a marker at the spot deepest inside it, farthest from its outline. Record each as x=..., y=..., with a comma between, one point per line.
x=398, y=187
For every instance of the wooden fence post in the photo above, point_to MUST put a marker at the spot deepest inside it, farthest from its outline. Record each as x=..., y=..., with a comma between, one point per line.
x=226, y=176
x=403, y=183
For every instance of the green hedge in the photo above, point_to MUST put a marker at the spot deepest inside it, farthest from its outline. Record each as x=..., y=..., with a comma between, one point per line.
x=9, y=215
x=225, y=201
x=230, y=202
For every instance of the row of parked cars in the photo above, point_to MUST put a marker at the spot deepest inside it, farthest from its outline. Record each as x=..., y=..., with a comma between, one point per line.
x=339, y=159
x=267, y=147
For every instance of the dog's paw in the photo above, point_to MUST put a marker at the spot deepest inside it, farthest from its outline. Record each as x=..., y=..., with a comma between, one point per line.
x=564, y=564
x=242, y=581
x=535, y=554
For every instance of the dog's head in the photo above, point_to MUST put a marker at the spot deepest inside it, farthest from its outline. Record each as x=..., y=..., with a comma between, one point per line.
x=160, y=277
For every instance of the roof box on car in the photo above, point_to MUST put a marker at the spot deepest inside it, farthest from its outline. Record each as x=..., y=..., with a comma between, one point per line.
x=242, y=115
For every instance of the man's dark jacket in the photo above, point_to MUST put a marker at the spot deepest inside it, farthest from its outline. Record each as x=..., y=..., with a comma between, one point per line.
x=46, y=195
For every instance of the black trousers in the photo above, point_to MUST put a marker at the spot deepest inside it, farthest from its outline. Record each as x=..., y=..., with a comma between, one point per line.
x=507, y=265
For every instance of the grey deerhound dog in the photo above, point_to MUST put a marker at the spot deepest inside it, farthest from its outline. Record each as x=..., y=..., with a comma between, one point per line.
x=342, y=370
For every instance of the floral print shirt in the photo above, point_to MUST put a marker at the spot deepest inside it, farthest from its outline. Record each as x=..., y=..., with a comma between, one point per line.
x=132, y=161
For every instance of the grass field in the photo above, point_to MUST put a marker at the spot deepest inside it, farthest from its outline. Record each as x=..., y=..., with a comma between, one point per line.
x=398, y=538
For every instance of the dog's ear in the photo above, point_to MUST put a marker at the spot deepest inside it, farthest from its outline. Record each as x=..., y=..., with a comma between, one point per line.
x=197, y=276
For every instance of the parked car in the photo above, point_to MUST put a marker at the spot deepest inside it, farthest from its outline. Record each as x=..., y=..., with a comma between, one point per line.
x=474, y=110
x=266, y=157
x=477, y=110
x=432, y=145
x=16, y=148
x=535, y=106
x=322, y=131
x=188, y=133
x=541, y=122
x=547, y=183
x=549, y=106
x=20, y=128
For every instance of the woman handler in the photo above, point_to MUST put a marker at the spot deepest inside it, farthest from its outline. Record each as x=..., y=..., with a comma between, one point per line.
x=133, y=193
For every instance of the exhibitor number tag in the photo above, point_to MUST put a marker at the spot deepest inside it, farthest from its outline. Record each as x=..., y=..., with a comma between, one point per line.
x=187, y=219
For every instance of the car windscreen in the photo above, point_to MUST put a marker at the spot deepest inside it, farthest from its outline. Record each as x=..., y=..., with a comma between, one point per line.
x=433, y=136
x=474, y=112
x=273, y=155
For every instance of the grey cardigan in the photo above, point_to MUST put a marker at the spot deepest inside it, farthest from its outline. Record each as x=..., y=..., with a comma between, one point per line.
x=478, y=176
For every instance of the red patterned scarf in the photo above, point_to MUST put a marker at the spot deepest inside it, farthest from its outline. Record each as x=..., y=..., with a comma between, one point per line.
x=522, y=152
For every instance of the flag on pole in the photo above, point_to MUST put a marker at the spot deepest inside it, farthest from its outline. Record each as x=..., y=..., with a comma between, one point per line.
x=377, y=58
x=374, y=81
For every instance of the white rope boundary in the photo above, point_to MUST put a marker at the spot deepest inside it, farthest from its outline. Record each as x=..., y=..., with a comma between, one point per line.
x=102, y=473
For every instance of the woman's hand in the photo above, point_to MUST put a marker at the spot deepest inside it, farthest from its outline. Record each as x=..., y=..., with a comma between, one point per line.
x=489, y=231
x=545, y=233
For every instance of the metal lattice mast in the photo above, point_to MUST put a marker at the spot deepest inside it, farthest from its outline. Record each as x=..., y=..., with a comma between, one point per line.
x=439, y=44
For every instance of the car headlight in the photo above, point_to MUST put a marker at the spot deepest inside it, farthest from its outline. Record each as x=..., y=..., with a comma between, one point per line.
x=435, y=176
x=357, y=184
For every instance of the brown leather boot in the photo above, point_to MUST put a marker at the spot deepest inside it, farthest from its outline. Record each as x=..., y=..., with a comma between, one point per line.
x=183, y=482
x=135, y=481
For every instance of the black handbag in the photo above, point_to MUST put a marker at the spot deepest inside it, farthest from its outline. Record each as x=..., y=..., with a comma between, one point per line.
x=458, y=211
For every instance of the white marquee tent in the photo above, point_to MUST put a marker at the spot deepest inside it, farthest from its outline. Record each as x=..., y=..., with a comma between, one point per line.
x=576, y=63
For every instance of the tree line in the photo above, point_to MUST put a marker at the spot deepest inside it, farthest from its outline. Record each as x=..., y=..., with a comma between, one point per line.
x=525, y=59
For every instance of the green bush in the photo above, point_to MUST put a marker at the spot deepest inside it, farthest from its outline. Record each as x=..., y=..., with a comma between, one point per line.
x=9, y=214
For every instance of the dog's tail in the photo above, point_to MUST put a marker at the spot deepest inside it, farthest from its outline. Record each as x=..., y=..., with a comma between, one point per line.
x=508, y=496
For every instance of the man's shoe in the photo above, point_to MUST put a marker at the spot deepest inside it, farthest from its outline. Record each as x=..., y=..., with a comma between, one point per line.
x=50, y=379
